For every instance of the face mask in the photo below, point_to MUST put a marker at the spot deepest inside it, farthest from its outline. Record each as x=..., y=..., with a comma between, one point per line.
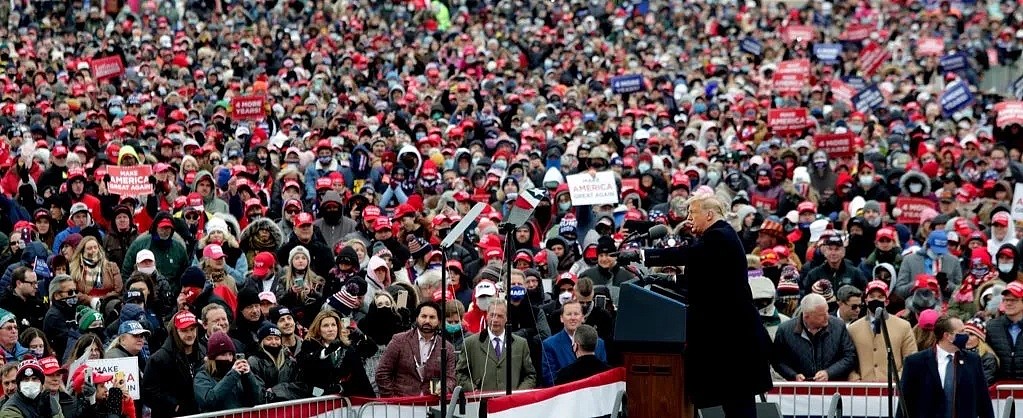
x=30, y=389
x=564, y=206
x=223, y=366
x=855, y=128
x=960, y=341
x=915, y=187
x=273, y=351
x=866, y=181
x=518, y=293
x=40, y=353
x=483, y=303
x=453, y=328
x=700, y=107
x=324, y=160
x=874, y=221
x=564, y=297
x=71, y=301
x=643, y=168
x=767, y=310
x=500, y=164
x=331, y=216
x=873, y=305
x=1005, y=267
x=420, y=135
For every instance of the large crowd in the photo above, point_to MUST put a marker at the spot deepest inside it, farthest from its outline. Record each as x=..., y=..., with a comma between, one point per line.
x=249, y=197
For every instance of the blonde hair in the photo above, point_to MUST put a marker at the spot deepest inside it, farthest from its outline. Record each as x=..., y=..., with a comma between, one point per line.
x=707, y=202
x=75, y=265
x=314, y=328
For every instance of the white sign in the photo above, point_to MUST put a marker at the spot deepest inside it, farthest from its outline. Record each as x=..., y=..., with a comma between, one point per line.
x=599, y=189
x=128, y=365
x=1017, y=202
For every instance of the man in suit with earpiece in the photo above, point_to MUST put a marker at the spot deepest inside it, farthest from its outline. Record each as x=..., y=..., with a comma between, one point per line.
x=945, y=381
x=481, y=365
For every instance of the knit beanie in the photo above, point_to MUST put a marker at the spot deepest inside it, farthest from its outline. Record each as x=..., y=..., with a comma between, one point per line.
x=247, y=297
x=7, y=316
x=568, y=228
x=86, y=317
x=418, y=247
x=349, y=298
x=296, y=251
x=347, y=256
x=193, y=277
x=976, y=327
x=132, y=312
x=267, y=330
x=219, y=344
x=217, y=224
x=379, y=249
x=823, y=287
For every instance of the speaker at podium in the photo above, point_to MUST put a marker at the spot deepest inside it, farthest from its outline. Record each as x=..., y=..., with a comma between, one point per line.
x=650, y=332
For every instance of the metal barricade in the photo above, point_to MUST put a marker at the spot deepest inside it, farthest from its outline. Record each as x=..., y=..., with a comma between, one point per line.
x=331, y=406
x=813, y=399
x=409, y=407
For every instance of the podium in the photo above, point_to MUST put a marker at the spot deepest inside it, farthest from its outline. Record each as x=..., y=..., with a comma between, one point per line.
x=650, y=332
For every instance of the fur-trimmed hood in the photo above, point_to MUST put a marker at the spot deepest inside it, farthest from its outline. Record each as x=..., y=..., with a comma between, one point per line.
x=918, y=176
x=263, y=223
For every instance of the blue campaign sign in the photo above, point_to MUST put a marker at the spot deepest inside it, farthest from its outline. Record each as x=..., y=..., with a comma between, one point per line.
x=954, y=62
x=857, y=83
x=827, y=54
x=956, y=97
x=751, y=46
x=630, y=83
x=1017, y=88
x=868, y=99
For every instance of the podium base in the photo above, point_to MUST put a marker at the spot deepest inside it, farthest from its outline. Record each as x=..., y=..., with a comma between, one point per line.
x=655, y=385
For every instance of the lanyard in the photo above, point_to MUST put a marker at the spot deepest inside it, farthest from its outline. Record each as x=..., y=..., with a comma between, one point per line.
x=421, y=364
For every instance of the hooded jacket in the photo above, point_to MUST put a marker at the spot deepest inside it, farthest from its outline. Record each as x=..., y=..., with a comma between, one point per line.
x=168, y=378
x=250, y=246
x=212, y=203
x=171, y=255
x=334, y=233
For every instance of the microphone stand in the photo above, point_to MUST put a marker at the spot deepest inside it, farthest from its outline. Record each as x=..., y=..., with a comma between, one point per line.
x=443, y=334
x=508, y=230
x=893, y=375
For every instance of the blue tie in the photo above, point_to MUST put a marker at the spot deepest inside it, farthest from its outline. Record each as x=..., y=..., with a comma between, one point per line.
x=949, y=379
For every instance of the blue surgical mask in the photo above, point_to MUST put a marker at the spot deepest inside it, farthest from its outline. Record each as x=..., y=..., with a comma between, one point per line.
x=324, y=160
x=960, y=341
x=420, y=135
x=700, y=107
x=564, y=206
x=453, y=328
x=501, y=164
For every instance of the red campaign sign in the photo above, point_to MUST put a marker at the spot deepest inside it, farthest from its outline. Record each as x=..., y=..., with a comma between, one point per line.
x=930, y=46
x=786, y=84
x=630, y=184
x=764, y=203
x=836, y=145
x=911, y=208
x=247, y=107
x=787, y=121
x=801, y=33
x=796, y=66
x=992, y=57
x=856, y=32
x=107, y=67
x=842, y=92
x=130, y=181
x=1009, y=113
x=871, y=58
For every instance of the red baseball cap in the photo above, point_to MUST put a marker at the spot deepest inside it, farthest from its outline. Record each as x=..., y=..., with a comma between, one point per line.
x=877, y=285
x=59, y=151
x=213, y=251
x=403, y=210
x=567, y=276
x=887, y=233
x=1015, y=288
x=165, y=223
x=184, y=319
x=371, y=213
x=1000, y=219
x=293, y=203
x=493, y=254
x=381, y=223
x=806, y=207
x=523, y=256
x=51, y=366
x=323, y=183
x=295, y=184
x=262, y=263
x=304, y=218
x=455, y=264
x=462, y=196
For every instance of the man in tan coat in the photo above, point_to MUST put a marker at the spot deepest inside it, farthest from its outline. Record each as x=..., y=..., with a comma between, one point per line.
x=871, y=351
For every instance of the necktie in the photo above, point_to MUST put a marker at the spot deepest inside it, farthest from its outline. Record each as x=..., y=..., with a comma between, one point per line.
x=949, y=379
x=497, y=347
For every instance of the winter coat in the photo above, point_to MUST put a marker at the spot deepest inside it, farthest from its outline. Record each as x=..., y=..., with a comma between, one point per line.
x=280, y=382
x=916, y=263
x=340, y=372
x=321, y=257
x=248, y=245
x=171, y=256
x=212, y=203
x=831, y=350
x=112, y=284
x=167, y=381
x=1010, y=356
x=232, y=391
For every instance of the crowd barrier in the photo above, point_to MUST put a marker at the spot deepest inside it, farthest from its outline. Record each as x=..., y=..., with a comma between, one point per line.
x=600, y=395
x=861, y=399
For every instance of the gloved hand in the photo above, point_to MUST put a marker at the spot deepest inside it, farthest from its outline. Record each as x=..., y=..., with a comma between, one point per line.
x=89, y=388
x=629, y=256
x=55, y=404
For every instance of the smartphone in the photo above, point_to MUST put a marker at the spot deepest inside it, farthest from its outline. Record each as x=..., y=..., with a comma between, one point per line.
x=346, y=322
x=300, y=282
x=402, y=298
x=119, y=377
x=601, y=301
x=239, y=356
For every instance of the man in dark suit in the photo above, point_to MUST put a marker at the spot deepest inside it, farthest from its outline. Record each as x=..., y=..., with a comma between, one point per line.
x=586, y=362
x=719, y=293
x=945, y=381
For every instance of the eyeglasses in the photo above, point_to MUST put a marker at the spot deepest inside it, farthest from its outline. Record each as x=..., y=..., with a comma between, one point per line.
x=291, y=212
x=855, y=307
x=9, y=328
x=30, y=281
x=192, y=216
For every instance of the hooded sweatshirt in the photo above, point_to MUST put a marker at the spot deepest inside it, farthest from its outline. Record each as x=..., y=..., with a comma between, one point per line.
x=334, y=230
x=212, y=203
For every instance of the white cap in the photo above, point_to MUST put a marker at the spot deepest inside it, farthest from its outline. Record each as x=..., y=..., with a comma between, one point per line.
x=817, y=229
x=485, y=288
x=144, y=255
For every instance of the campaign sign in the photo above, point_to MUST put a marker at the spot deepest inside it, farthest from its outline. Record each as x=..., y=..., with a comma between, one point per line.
x=1017, y=202
x=930, y=46
x=789, y=84
x=787, y=121
x=842, y=92
x=868, y=99
x=827, y=54
x=799, y=33
x=955, y=97
x=953, y=62
x=1017, y=88
x=130, y=180
x=836, y=145
x=129, y=366
x=752, y=46
x=599, y=189
x=107, y=67
x=870, y=59
x=247, y=107
x=856, y=32
x=857, y=83
x=630, y=83
x=796, y=66
x=911, y=208
x=1009, y=113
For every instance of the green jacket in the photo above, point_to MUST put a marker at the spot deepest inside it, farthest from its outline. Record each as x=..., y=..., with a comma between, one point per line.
x=171, y=257
x=232, y=391
x=212, y=203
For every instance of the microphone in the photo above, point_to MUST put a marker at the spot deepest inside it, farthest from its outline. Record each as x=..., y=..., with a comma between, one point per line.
x=879, y=313
x=655, y=232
